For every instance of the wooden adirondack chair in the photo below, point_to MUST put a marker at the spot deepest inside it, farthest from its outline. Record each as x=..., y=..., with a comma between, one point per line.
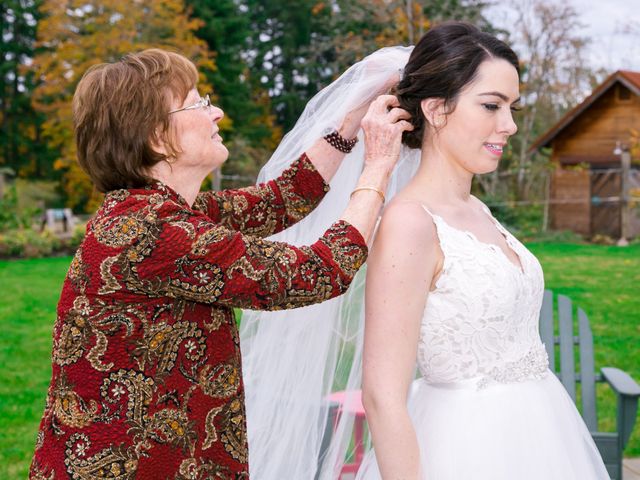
x=610, y=444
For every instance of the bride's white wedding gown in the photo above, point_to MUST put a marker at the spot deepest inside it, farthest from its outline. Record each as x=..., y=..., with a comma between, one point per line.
x=487, y=407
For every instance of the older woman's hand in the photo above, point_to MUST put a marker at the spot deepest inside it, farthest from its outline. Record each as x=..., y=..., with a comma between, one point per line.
x=383, y=126
x=384, y=68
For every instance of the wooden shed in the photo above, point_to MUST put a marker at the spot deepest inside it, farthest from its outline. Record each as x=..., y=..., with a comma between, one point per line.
x=586, y=143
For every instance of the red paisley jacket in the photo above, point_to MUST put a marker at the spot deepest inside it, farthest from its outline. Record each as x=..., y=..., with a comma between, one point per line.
x=147, y=379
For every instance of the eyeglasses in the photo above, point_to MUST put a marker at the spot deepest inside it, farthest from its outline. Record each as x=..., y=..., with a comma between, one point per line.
x=204, y=102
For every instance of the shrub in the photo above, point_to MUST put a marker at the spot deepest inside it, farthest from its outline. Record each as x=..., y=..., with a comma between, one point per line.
x=11, y=216
x=76, y=237
x=28, y=243
x=554, y=236
x=526, y=220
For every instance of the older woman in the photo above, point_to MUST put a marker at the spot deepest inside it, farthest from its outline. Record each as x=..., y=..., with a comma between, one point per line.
x=146, y=363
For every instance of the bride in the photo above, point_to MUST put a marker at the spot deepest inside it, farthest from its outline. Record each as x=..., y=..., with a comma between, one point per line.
x=448, y=290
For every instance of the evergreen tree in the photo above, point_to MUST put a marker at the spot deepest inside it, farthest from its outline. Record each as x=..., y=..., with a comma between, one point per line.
x=21, y=148
x=289, y=52
x=299, y=46
x=226, y=30
x=253, y=134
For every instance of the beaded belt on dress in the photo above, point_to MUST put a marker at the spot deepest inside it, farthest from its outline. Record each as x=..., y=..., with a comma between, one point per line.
x=532, y=366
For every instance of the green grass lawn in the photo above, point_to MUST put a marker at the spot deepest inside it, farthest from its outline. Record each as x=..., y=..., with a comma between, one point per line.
x=604, y=281
x=28, y=299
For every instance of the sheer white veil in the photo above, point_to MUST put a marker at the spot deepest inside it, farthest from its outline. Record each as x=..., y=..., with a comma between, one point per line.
x=294, y=359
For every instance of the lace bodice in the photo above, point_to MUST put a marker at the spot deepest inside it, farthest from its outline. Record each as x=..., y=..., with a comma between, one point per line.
x=480, y=323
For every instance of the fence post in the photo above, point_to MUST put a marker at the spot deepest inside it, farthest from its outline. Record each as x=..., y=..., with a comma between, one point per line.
x=625, y=214
x=547, y=197
x=216, y=179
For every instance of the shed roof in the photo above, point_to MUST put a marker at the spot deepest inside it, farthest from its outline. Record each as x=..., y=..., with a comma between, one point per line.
x=629, y=79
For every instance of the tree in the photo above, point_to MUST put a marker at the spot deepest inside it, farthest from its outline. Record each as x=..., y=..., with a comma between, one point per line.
x=365, y=26
x=555, y=76
x=253, y=135
x=20, y=126
x=300, y=46
x=285, y=52
x=472, y=11
x=75, y=34
x=272, y=56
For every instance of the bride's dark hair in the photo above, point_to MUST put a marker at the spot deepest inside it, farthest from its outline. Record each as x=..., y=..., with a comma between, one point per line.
x=442, y=63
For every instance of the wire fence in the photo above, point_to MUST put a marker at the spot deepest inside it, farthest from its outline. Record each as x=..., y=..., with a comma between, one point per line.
x=596, y=200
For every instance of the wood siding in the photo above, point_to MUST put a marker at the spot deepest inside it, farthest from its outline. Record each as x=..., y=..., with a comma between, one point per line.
x=592, y=136
x=606, y=214
x=590, y=139
x=571, y=201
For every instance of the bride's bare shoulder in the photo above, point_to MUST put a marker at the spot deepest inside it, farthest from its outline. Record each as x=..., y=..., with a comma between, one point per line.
x=478, y=202
x=406, y=242
x=408, y=219
x=406, y=208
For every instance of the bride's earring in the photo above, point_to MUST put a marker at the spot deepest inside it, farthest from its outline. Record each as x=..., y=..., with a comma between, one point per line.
x=432, y=109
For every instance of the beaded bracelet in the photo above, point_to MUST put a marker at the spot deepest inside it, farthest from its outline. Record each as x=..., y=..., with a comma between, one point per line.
x=340, y=143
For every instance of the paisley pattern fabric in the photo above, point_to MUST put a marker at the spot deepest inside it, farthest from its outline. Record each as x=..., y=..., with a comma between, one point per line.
x=481, y=321
x=147, y=378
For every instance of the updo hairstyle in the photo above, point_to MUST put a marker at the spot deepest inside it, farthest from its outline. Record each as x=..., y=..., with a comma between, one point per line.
x=443, y=62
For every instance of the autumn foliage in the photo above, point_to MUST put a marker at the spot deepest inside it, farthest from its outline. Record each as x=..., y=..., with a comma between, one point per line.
x=76, y=34
x=263, y=59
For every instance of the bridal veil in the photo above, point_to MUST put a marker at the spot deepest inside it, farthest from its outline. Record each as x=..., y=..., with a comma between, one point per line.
x=294, y=359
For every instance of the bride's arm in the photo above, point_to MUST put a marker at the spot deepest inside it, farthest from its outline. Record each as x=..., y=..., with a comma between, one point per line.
x=402, y=264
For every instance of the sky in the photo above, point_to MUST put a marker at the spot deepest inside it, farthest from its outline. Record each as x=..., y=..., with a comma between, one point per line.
x=605, y=20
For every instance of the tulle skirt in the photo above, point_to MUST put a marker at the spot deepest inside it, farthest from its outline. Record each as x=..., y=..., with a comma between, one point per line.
x=518, y=431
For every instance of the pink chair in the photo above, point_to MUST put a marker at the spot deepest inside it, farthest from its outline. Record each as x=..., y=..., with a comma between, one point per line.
x=351, y=402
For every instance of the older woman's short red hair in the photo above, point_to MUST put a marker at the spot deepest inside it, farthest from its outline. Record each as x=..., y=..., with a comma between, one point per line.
x=121, y=109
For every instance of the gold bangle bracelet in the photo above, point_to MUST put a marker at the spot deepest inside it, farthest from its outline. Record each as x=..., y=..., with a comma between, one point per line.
x=373, y=189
